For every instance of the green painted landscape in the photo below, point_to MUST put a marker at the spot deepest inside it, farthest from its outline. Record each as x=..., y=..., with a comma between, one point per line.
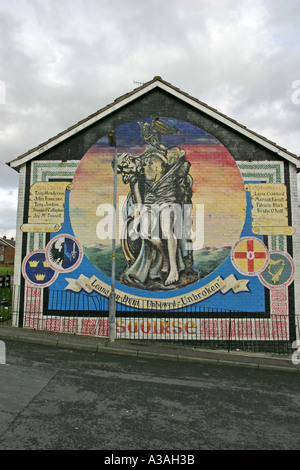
x=206, y=260
x=101, y=259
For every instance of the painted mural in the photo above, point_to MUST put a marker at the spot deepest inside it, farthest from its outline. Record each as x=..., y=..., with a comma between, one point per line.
x=176, y=221
x=191, y=230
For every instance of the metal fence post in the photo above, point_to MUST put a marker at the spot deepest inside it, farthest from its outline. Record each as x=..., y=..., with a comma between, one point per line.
x=229, y=333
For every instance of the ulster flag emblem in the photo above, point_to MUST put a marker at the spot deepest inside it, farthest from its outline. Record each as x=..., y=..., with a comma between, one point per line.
x=250, y=256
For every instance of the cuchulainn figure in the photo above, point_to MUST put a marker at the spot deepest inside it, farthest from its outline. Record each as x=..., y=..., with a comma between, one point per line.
x=156, y=241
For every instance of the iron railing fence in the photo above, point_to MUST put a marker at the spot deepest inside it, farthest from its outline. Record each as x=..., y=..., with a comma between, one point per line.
x=202, y=327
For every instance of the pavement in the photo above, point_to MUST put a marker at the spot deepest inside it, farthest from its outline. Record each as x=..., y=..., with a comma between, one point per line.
x=140, y=349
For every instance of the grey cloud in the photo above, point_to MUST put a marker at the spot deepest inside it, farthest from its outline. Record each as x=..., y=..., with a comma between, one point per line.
x=62, y=60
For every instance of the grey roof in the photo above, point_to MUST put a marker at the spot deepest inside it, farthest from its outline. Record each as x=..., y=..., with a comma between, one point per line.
x=7, y=242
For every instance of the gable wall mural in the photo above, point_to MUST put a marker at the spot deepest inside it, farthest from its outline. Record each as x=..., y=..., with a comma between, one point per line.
x=198, y=232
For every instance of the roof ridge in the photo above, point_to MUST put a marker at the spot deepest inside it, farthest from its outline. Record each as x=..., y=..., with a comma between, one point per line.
x=128, y=95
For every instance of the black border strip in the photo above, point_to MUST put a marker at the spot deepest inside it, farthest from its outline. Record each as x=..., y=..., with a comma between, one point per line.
x=291, y=287
x=24, y=242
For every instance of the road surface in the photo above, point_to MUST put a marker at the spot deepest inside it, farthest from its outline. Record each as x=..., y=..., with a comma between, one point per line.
x=64, y=399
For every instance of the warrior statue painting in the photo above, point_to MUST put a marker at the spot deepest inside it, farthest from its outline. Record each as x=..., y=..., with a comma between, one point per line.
x=156, y=241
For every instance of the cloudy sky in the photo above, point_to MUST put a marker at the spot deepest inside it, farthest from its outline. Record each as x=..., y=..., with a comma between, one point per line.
x=62, y=60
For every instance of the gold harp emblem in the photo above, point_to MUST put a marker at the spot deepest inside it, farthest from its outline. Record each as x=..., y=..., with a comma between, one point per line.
x=277, y=271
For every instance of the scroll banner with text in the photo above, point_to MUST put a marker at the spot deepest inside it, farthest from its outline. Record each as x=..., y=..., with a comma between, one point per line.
x=46, y=206
x=270, y=211
x=217, y=285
